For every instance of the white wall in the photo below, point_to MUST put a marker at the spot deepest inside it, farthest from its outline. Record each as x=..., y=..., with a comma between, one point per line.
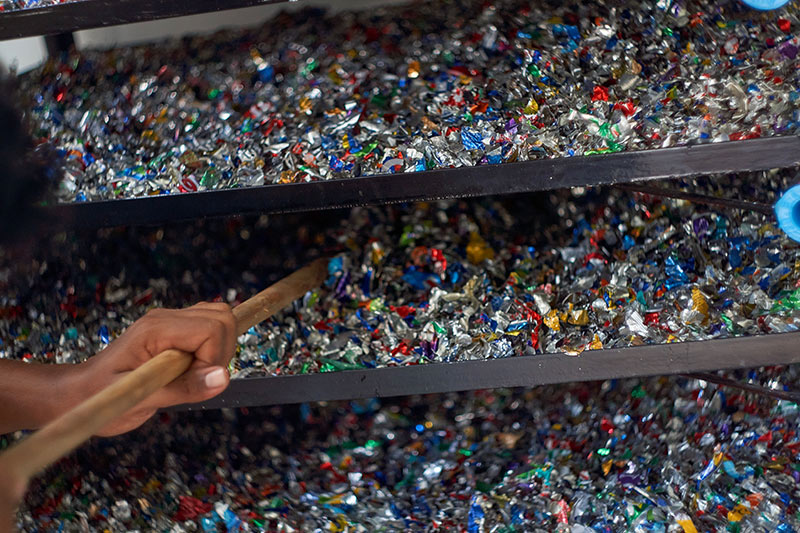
x=29, y=53
x=193, y=24
x=22, y=54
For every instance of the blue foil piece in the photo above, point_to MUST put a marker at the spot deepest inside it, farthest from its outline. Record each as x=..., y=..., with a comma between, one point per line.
x=735, y=257
x=420, y=280
x=730, y=469
x=475, y=516
x=336, y=164
x=366, y=282
x=335, y=265
x=676, y=277
x=266, y=73
x=707, y=471
x=517, y=326
x=471, y=140
x=232, y=522
x=208, y=525
x=103, y=334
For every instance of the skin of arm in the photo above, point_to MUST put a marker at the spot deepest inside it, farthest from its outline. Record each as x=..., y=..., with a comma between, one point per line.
x=33, y=394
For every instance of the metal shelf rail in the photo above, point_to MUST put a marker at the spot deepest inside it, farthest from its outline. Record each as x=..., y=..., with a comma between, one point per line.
x=508, y=178
x=521, y=371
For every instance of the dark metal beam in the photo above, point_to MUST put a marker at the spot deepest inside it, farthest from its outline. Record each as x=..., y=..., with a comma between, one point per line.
x=543, y=174
x=524, y=371
x=703, y=199
x=786, y=395
x=58, y=44
x=85, y=14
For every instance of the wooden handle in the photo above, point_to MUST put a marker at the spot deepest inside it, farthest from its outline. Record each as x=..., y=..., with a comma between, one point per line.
x=67, y=432
x=280, y=294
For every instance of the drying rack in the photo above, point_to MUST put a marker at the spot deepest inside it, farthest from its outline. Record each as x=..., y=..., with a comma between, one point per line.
x=59, y=20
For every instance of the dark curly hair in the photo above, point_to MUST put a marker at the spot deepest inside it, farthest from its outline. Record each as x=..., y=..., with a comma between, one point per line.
x=27, y=171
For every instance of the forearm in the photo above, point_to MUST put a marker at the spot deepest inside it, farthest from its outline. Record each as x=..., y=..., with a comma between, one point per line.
x=33, y=394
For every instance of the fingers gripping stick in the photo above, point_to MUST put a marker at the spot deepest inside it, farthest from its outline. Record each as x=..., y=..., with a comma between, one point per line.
x=67, y=432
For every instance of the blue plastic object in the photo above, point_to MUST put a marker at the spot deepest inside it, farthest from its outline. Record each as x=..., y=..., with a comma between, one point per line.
x=787, y=209
x=766, y=5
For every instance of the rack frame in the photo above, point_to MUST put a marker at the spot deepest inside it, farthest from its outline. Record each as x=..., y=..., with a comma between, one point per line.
x=519, y=371
x=510, y=178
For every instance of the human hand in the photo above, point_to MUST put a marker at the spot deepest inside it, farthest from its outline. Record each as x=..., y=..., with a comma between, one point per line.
x=207, y=330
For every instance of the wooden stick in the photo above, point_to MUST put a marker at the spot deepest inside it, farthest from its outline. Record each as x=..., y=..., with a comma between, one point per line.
x=67, y=432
